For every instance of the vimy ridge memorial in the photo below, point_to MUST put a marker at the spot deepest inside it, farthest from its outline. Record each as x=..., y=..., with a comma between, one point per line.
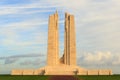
x=66, y=65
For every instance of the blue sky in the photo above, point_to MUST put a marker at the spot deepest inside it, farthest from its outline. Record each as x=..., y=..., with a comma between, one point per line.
x=24, y=26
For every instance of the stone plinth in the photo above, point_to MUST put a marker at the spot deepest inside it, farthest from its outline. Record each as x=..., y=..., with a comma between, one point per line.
x=93, y=72
x=16, y=72
x=40, y=71
x=105, y=72
x=62, y=70
x=28, y=72
x=82, y=72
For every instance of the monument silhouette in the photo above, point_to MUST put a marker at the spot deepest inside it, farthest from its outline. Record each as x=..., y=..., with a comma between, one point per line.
x=66, y=65
x=69, y=56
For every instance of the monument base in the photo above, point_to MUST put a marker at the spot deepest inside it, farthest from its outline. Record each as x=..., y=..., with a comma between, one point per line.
x=61, y=70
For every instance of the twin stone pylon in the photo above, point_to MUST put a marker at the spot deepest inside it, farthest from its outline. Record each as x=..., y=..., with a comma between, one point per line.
x=66, y=65
x=69, y=56
x=53, y=43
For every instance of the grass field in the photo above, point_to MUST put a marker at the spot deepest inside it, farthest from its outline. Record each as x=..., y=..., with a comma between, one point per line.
x=8, y=77
x=102, y=77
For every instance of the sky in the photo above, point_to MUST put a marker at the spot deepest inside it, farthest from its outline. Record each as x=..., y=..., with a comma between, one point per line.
x=24, y=32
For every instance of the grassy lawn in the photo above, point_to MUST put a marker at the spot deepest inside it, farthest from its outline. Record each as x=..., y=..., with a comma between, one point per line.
x=9, y=77
x=112, y=77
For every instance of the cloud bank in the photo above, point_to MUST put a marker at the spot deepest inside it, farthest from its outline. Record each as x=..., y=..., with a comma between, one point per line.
x=99, y=58
x=17, y=58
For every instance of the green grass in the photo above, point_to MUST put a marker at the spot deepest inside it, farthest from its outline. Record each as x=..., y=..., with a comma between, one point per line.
x=101, y=77
x=9, y=77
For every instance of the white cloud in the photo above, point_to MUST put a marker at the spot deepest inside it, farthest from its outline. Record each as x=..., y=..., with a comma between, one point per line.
x=99, y=58
x=25, y=24
x=33, y=62
x=75, y=4
x=33, y=4
x=16, y=58
x=117, y=62
x=21, y=11
x=18, y=9
x=24, y=36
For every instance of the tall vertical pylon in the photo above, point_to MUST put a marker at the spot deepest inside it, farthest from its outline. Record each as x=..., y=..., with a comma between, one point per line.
x=69, y=40
x=53, y=42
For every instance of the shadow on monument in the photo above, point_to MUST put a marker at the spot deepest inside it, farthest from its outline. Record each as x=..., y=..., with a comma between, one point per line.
x=76, y=71
x=42, y=72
